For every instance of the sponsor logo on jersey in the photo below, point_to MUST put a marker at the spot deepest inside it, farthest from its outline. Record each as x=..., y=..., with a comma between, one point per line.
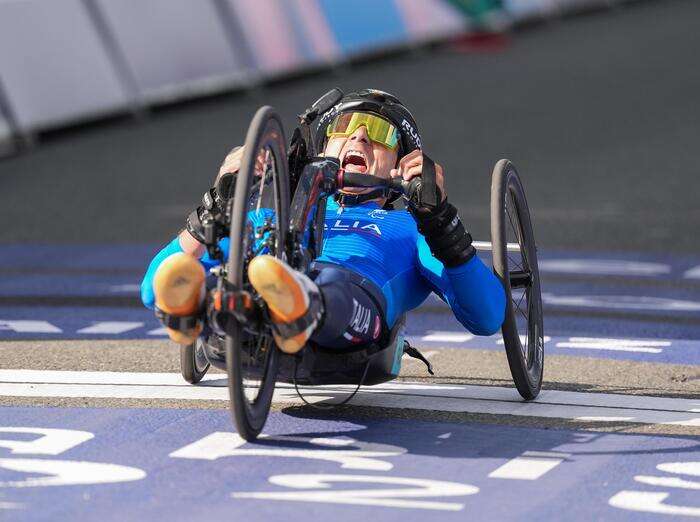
x=351, y=225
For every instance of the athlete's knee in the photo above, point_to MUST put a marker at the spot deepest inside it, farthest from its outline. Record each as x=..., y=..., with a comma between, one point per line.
x=328, y=276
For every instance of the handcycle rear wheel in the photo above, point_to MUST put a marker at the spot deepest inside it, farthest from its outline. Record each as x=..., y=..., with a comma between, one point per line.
x=259, y=223
x=193, y=361
x=515, y=263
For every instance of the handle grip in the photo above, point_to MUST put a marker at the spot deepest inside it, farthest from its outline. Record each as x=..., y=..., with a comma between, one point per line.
x=400, y=185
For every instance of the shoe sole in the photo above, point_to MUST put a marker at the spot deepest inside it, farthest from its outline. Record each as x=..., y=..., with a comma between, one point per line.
x=276, y=284
x=284, y=295
x=179, y=288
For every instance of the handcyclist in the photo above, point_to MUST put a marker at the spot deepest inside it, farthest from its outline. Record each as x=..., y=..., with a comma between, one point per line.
x=376, y=264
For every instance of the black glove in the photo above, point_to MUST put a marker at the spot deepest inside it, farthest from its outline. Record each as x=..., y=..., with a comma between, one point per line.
x=214, y=204
x=437, y=220
x=445, y=234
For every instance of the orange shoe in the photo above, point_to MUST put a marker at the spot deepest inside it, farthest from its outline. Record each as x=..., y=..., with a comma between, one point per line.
x=179, y=288
x=293, y=300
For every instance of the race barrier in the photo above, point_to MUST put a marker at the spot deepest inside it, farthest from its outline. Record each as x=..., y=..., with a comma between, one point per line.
x=68, y=61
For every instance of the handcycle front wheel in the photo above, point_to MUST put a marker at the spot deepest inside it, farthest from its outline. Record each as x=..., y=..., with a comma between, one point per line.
x=515, y=263
x=193, y=361
x=259, y=223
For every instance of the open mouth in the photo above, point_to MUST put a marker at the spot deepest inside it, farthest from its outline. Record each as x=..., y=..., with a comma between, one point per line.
x=355, y=161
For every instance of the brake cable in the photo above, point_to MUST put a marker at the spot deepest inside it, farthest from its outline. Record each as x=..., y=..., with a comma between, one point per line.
x=327, y=407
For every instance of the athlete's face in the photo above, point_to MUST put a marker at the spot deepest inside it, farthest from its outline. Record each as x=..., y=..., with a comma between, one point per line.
x=357, y=153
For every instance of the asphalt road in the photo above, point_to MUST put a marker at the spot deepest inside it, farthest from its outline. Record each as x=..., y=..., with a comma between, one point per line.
x=601, y=115
x=599, y=112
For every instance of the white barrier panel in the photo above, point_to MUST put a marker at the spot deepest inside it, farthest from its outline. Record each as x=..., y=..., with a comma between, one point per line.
x=174, y=47
x=54, y=67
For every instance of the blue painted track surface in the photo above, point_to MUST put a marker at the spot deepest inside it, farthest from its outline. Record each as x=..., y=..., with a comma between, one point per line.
x=591, y=468
x=587, y=295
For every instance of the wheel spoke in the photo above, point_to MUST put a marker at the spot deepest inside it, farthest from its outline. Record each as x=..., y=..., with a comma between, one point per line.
x=521, y=313
x=517, y=237
x=521, y=299
x=512, y=225
x=515, y=263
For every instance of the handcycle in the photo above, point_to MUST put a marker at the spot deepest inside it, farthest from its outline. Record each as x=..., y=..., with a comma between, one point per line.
x=263, y=217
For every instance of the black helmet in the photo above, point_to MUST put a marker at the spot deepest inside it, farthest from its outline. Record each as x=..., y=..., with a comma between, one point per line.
x=380, y=103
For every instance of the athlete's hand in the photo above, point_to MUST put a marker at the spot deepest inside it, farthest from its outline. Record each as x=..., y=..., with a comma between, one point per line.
x=411, y=166
x=213, y=202
x=232, y=162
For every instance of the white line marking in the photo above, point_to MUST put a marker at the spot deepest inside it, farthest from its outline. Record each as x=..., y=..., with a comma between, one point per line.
x=612, y=348
x=652, y=346
x=401, y=395
x=603, y=267
x=621, y=342
x=616, y=345
x=360, y=456
x=51, y=441
x=328, y=441
x=681, y=468
x=650, y=503
x=317, y=488
x=604, y=418
x=67, y=473
x=486, y=245
x=529, y=466
x=693, y=273
x=439, y=336
x=11, y=505
x=158, y=331
x=128, y=288
x=111, y=327
x=28, y=326
x=523, y=340
x=667, y=482
x=622, y=302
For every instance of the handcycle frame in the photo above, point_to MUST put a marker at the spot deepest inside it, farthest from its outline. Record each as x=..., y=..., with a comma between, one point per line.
x=314, y=179
x=316, y=365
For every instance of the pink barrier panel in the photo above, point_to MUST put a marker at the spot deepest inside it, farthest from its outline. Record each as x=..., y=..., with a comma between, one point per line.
x=315, y=28
x=299, y=33
x=275, y=45
x=430, y=19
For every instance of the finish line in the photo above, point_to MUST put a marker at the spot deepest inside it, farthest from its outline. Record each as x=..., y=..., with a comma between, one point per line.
x=492, y=400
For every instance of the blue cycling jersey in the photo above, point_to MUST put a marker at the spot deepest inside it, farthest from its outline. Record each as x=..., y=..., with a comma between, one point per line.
x=386, y=247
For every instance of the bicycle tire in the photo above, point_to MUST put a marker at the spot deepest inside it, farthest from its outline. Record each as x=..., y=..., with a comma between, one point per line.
x=265, y=133
x=193, y=362
x=525, y=357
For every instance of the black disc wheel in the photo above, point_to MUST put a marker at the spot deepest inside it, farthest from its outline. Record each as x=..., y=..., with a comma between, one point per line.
x=259, y=223
x=193, y=361
x=515, y=263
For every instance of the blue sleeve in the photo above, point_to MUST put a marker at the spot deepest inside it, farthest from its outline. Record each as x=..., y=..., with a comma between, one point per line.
x=147, y=296
x=474, y=293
